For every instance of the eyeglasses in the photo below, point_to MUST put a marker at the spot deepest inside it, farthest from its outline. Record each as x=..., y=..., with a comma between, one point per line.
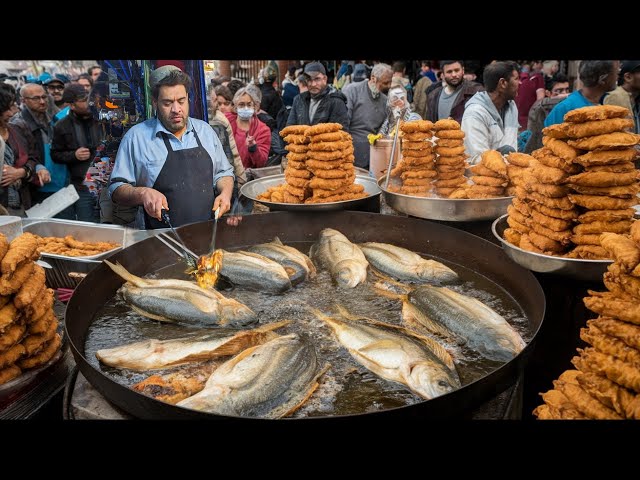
x=41, y=98
x=55, y=87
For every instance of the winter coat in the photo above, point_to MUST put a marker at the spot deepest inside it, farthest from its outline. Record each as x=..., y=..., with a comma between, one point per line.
x=332, y=109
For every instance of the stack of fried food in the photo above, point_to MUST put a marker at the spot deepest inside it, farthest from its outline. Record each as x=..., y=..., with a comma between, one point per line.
x=320, y=166
x=416, y=168
x=489, y=177
x=28, y=325
x=70, y=247
x=450, y=160
x=606, y=384
x=330, y=159
x=607, y=188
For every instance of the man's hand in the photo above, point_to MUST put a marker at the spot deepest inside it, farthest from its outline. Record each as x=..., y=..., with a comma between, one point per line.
x=43, y=176
x=11, y=175
x=83, y=154
x=153, y=202
x=224, y=202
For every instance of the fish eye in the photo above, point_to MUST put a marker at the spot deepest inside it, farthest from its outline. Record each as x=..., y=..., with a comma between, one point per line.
x=443, y=383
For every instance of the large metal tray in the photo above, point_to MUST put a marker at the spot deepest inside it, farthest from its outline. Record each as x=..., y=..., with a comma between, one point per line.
x=446, y=209
x=67, y=272
x=586, y=270
x=255, y=187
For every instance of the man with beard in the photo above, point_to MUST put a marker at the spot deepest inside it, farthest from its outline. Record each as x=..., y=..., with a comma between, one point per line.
x=75, y=139
x=321, y=103
x=55, y=86
x=449, y=100
x=367, y=109
x=490, y=120
x=172, y=161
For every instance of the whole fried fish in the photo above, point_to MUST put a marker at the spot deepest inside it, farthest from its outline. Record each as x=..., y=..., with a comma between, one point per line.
x=180, y=301
x=344, y=260
x=395, y=353
x=446, y=312
x=266, y=381
x=154, y=354
x=403, y=264
x=254, y=271
x=298, y=266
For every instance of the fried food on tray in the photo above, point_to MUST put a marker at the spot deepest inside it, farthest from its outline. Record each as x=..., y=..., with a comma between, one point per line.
x=11, y=283
x=21, y=248
x=624, y=191
x=11, y=355
x=588, y=252
x=35, y=343
x=554, y=212
x=30, y=289
x=586, y=239
x=328, y=146
x=546, y=157
x=603, y=179
x=606, y=157
x=627, y=332
x=552, y=223
x=8, y=315
x=9, y=373
x=480, y=169
x=46, y=354
x=42, y=324
x=620, y=226
x=609, y=345
x=4, y=246
x=624, y=402
x=512, y=236
x=604, y=303
x=607, y=141
x=624, y=250
x=517, y=216
x=611, y=283
x=547, y=190
x=297, y=139
x=548, y=174
x=492, y=159
x=446, y=124
x=545, y=243
x=45, y=302
x=417, y=126
x=294, y=129
x=526, y=244
x=417, y=136
x=598, y=112
x=584, y=402
x=615, y=168
x=558, y=402
x=599, y=202
x=422, y=147
x=634, y=231
x=562, y=236
x=449, y=151
x=323, y=128
x=629, y=284
x=599, y=127
x=543, y=412
x=12, y=335
x=622, y=373
x=328, y=137
x=295, y=148
x=560, y=148
x=450, y=142
x=484, y=191
x=559, y=131
x=607, y=215
x=489, y=181
x=450, y=134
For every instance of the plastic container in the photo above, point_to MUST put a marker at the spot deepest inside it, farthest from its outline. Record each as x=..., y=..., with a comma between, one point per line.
x=379, y=154
x=54, y=204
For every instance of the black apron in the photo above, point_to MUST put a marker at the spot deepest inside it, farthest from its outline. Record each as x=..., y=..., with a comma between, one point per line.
x=186, y=180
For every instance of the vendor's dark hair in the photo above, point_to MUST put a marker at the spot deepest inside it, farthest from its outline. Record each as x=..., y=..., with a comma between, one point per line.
x=591, y=71
x=175, y=77
x=444, y=63
x=497, y=70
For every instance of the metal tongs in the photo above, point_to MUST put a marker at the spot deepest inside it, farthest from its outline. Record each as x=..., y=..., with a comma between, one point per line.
x=393, y=146
x=190, y=258
x=215, y=229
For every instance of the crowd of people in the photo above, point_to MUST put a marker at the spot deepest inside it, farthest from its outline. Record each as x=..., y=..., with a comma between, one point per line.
x=50, y=139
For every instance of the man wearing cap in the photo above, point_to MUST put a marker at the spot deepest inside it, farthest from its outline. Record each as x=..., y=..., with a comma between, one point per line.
x=55, y=87
x=627, y=94
x=321, y=103
x=172, y=161
x=75, y=139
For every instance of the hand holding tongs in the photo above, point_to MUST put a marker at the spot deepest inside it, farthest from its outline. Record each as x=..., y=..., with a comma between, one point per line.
x=188, y=258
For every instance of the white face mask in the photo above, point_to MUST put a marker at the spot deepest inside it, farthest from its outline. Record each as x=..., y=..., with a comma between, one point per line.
x=245, y=113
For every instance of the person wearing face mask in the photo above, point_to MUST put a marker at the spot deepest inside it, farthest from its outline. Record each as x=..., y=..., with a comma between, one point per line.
x=253, y=137
x=367, y=109
x=172, y=161
x=320, y=103
x=397, y=103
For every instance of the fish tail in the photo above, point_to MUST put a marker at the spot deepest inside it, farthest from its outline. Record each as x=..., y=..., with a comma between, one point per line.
x=382, y=290
x=345, y=313
x=272, y=326
x=125, y=274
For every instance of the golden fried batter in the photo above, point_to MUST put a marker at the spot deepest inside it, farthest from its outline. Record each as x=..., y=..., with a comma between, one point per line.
x=30, y=289
x=446, y=192
x=450, y=151
x=21, y=248
x=562, y=236
x=545, y=243
x=517, y=226
x=622, y=373
x=607, y=141
x=559, y=203
x=451, y=160
x=44, y=356
x=417, y=126
x=598, y=112
x=546, y=157
x=327, y=146
x=446, y=124
x=450, y=142
x=327, y=137
x=621, y=226
x=489, y=181
x=11, y=355
x=599, y=127
x=492, y=159
x=331, y=183
x=12, y=335
x=607, y=215
x=624, y=250
x=11, y=283
x=512, y=236
x=448, y=175
x=417, y=181
x=323, y=128
x=525, y=244
x=452, y=182
x=517, y=216
x=297, y=172
x=419, y=174
x=417, y=136
x=588, y=252
x=323, y=155
x=554, y=212
x=586, y=239
x=603, y=179
x=552, y=223
x=297, y=181
x=606, y=157
x=599, y=202
x=296, y=157
x=548, y=174
x=560, y=148
x=298, y=139
x=553, y=191
x=544, y=413
x=4, y=246
x=519, y=159
x=295, y=148
x=559, y=131
x=628, y=333
x=608, y=305
x=41, y=325
x=480, y=169
x=299, y=164
x=9, y=373
x=484, y=191
x=615, y=168
x=630, y=284
x=609, y=345
x=634, y=231
x=457, y=167
x=294, y=129
x=521, y=206
x=8, y=315
x=450, y=134
x=584, y=402
x=288, y=198
x=337, y=173
x=424, y=147
x=624, y=191
x=425, y=153
x=624, y=402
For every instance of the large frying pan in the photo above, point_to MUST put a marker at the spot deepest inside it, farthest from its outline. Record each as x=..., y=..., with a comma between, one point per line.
x=150, y=255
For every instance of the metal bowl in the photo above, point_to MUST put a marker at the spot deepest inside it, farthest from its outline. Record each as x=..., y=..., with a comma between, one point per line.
x=260, y=185
x=447, y=209
x=585, y=270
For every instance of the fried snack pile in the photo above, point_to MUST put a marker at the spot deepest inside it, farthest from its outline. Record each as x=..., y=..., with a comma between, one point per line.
x=580, y=184
x=606, y=384
x=489, y=177
x=417, y=167
x=320, y=166
x=28, y=325
x=70, y=247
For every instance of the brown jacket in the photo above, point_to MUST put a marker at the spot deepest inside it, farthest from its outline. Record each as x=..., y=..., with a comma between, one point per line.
x=469, y=89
